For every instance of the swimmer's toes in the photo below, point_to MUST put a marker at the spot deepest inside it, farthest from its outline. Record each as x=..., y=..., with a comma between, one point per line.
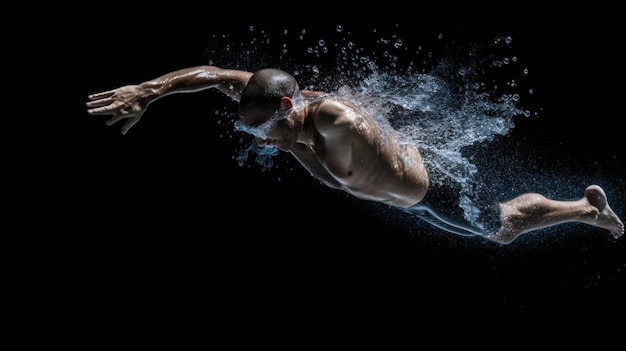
x=618, y=233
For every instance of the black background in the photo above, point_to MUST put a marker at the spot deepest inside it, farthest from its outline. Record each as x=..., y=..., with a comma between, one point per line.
x=162, y=225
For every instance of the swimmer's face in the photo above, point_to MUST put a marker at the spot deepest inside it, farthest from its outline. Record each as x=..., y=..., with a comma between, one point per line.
x=273, y=131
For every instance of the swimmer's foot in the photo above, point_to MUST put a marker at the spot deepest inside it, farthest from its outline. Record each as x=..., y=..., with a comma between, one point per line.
x=606, y=218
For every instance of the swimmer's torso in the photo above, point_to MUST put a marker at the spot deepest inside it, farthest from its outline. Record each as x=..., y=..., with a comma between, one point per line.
x=361, y=160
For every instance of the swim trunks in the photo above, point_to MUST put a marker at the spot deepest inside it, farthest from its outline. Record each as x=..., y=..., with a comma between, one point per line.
x=446, y=208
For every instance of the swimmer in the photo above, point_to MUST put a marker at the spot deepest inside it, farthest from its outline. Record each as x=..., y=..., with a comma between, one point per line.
x=340, y=144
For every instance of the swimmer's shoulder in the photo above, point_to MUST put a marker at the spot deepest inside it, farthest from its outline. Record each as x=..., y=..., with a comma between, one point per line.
x=325, y=104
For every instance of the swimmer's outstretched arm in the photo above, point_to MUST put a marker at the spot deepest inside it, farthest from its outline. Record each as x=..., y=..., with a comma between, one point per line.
x=131, y=101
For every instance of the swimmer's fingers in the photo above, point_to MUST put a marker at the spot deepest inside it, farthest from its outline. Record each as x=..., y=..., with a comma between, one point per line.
x=110, y=106
x=127, y=102
x=130, y=121
x=103, y=107
x=124, y=100
x=129, y=124
x=101, y=103
x=101, y=95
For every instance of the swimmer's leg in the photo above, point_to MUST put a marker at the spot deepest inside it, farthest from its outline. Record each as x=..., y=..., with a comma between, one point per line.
x=532, y=211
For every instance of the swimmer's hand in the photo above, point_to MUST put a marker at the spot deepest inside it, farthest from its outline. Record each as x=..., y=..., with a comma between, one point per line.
x=128, y=102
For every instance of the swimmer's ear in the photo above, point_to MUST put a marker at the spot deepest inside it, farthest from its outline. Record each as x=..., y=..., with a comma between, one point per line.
x=285, y=102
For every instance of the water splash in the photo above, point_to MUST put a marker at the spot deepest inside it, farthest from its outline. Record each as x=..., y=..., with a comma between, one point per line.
x=442, y=102
x=441, y=118
x=263, y=157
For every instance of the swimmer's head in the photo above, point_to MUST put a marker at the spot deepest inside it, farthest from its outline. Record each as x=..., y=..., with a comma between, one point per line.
x=261, y=98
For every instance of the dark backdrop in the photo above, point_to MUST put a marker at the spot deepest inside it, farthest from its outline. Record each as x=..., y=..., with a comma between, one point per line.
x=164, y=222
